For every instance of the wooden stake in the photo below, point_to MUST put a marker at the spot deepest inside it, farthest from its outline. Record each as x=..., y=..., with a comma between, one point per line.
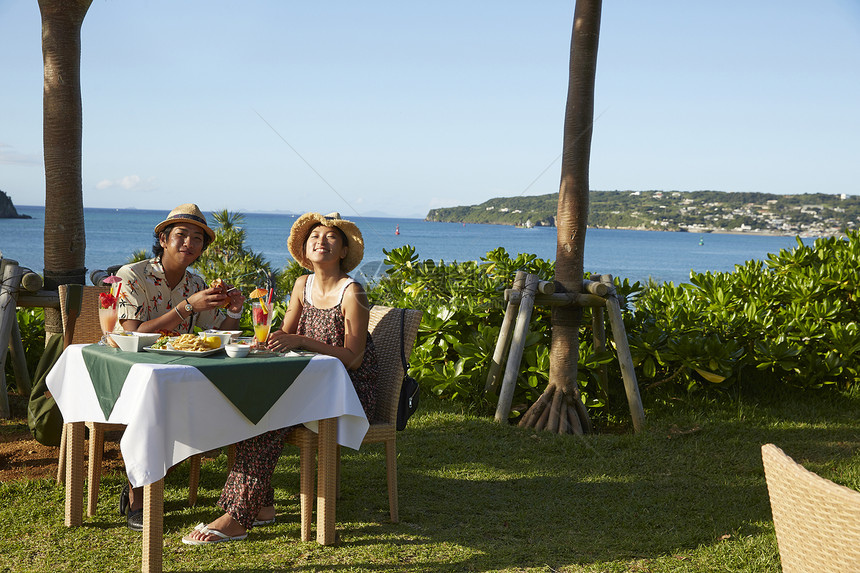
x=558, y=299
x=598, y=330
x=10, y=280
x=628, y=372
x=509, y=382
x=504, y=336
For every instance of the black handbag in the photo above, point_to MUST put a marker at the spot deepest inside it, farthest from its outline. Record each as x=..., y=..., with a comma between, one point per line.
x=409, y=390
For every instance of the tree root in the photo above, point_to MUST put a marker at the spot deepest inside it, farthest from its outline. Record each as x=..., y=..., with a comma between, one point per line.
x=558, y=411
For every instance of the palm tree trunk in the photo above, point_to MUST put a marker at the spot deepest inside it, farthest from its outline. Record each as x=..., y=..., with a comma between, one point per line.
x=560, y=408
x=64, y=239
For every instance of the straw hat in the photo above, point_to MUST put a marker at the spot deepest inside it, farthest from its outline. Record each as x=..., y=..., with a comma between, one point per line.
x=188, y=213
x=302, y=226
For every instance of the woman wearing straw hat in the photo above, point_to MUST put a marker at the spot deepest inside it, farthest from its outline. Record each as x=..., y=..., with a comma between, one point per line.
x=328, y=313
x=161, y=294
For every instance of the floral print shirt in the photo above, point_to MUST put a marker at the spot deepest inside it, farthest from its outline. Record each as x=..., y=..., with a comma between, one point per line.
x=145, y=295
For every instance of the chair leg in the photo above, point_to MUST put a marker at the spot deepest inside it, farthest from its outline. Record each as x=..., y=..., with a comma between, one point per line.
x=307, y=453
x=94, y=474
x=391, y=465
x=231, y=457
x=61, y=460
x=193, y=479
x=337, y=473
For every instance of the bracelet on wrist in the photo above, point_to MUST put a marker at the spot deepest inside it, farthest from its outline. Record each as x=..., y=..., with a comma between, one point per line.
x=176, y=308
x=233, y=315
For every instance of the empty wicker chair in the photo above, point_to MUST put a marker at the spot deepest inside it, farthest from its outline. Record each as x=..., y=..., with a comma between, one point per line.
x=385, y=328
x=817, y=522
x=87, y=329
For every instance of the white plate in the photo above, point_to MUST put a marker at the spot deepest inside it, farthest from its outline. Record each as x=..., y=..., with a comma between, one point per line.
x=300, y=353
x=183, y=352
x=234, y=334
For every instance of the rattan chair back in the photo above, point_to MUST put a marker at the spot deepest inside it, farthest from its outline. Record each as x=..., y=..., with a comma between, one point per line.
x=87, y=327
x=384, y=327
x=817, y=522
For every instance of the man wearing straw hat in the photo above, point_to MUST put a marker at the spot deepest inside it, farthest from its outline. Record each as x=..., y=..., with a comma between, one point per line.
x=161, y=294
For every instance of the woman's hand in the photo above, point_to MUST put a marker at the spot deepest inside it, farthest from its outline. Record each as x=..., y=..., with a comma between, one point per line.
x=280, y=341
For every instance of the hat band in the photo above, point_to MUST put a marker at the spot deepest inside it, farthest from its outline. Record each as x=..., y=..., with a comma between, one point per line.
x=200, y=220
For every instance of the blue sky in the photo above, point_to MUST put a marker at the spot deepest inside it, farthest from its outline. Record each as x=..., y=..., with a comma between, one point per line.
x=398, y=107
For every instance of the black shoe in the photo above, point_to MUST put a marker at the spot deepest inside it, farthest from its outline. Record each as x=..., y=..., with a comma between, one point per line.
x=123, y=500
x=134, y=519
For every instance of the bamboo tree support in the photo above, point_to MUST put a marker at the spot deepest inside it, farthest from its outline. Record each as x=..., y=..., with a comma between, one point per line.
x=598, y=338
x=504, y=337
x=10, y=279
x=599, y=294
x=509, y=382
x=628, y=373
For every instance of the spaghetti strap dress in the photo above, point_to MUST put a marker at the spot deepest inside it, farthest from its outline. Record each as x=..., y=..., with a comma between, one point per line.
x=249, y=483
x=327, y=325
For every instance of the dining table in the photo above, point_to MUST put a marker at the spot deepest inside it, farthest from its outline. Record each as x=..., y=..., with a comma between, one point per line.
x=175, y=405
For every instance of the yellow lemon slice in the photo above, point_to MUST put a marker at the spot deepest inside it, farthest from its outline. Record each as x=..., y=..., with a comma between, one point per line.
x=213, y=342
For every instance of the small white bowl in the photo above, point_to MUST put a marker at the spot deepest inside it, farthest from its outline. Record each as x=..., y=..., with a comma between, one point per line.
x=133, y=341
x=237, y=350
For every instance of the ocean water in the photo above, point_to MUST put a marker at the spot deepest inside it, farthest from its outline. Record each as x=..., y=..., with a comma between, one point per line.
x=113, y=235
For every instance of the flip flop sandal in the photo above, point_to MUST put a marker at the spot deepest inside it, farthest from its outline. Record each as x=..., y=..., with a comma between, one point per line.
x=259, y=522
x=219, y=537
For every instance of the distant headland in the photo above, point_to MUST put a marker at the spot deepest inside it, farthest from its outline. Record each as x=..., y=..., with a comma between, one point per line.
x=809, y=214
x=7, y=209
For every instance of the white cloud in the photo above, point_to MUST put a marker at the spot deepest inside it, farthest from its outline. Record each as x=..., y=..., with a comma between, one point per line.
x=127, y=183
x=8, y=156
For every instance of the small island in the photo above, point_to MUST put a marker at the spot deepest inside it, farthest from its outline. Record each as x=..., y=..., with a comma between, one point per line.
x=7, y=209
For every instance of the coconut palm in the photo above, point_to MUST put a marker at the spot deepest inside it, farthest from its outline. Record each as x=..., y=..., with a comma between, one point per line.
x=65, y=240
x=566, y=412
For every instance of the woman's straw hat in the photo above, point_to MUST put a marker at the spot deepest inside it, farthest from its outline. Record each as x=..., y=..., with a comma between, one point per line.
x=303, y=225
x=188, y=213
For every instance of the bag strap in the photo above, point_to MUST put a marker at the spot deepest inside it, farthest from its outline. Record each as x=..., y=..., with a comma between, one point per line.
x=402, y=342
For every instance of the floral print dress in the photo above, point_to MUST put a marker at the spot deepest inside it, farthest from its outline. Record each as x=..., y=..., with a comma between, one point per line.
x=328, y=326
x=249, y=484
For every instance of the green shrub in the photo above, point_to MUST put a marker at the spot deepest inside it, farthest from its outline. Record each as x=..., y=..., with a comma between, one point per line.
x=464, y=306
x=792, y=319
x=31, y=323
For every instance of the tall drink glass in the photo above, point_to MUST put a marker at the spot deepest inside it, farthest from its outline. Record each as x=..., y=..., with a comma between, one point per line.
x=261, y=316
x=107, y=320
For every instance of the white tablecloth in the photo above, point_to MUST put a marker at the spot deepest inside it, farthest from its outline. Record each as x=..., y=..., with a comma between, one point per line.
x=173, y=411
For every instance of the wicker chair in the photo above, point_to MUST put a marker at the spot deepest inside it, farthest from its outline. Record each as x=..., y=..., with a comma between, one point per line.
x=817, y=522
x=87, y=329
x=385, y=329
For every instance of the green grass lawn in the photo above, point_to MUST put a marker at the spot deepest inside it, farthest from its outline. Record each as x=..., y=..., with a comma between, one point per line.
x=686, y=495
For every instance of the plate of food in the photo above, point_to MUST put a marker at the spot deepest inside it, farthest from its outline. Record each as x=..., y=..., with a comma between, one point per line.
x=183, y=345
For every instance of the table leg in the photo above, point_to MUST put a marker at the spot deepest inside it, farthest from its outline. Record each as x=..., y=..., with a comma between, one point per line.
x=327, y=481
x=74, y=474
x=153, y=526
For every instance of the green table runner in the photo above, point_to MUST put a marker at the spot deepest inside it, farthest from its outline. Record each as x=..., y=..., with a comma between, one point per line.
x=252, y=384
x=108, y=368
